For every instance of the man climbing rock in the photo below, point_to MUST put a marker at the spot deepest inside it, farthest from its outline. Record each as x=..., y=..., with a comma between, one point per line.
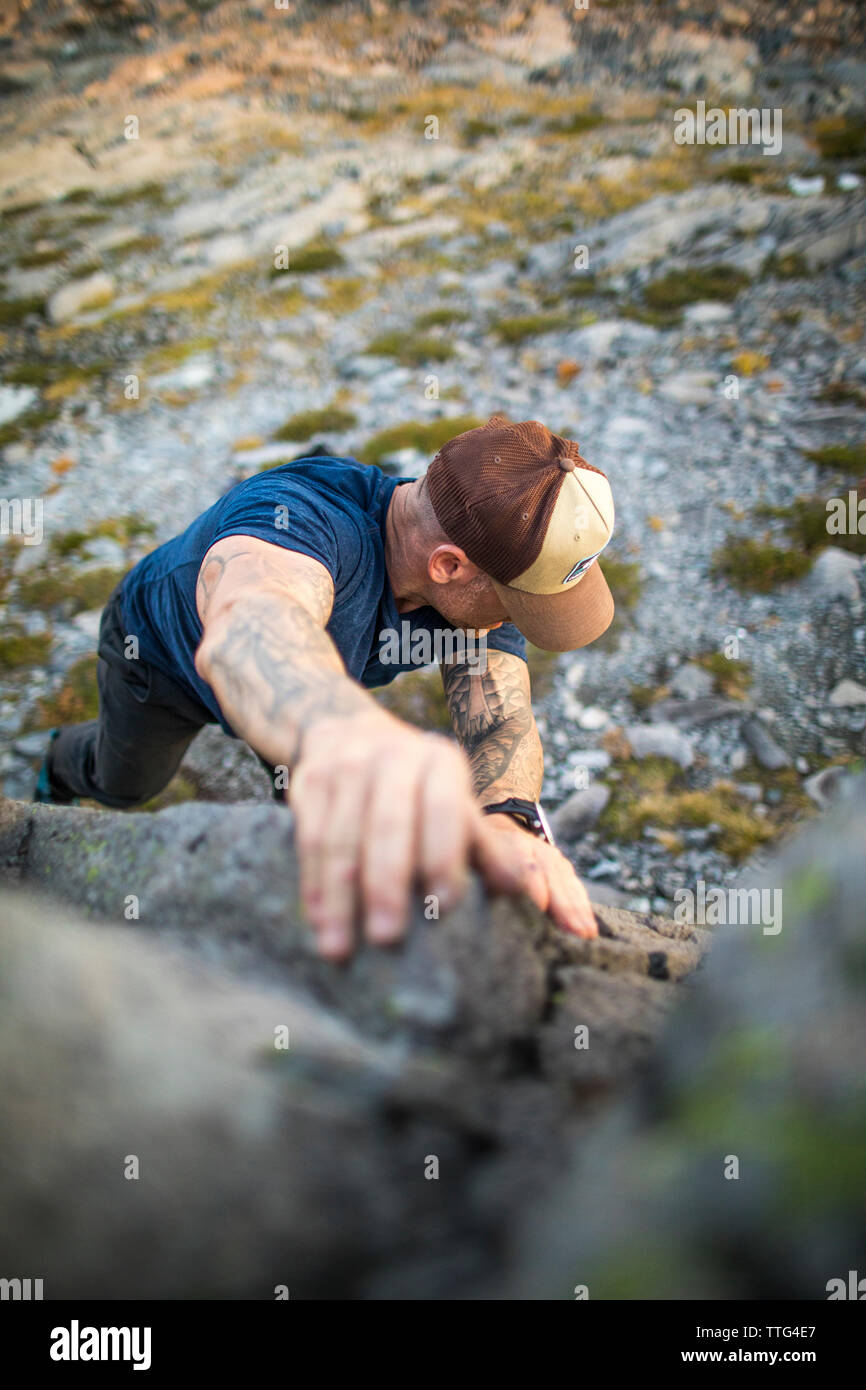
x=270, y=614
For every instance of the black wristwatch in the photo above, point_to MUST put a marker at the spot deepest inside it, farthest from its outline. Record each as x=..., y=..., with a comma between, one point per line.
x=527, y=813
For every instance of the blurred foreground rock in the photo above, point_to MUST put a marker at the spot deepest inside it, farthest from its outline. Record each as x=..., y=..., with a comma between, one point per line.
x=156, y=1039
x=736, y=1169
x=434, y=1129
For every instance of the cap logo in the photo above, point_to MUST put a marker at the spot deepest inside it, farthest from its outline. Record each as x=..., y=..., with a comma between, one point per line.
x=580, y=567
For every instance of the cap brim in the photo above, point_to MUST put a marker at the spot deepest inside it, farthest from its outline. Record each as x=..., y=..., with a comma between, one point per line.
x=562, y=622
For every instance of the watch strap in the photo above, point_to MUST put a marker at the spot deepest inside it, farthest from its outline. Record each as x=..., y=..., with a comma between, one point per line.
x=528, y=813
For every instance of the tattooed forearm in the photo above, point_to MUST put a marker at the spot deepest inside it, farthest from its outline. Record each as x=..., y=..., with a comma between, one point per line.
x=492, y=717
x=275, y=671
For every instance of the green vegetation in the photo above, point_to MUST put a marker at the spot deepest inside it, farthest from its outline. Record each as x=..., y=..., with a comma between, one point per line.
x=9, y=553
x=642, y=696
x=20, y=649
x=311, y=422
x=152, y=193
x=522, y=326
x=76, y=701
x=427, y=436
x=732, y=677
x=440, y=318
x=624, y=580
x=315, y=255
x=344, y=294
x=476, y=128
x=413, y=350
x=15, y=311
x=575, y=123
x=841, y=393
x=651, y=791
x=758, y=566
x=173, y=354
x=67, y=590
x=126, y=529
x=847, y=458
x=842, y=136
x=677, y=288
x=22, y=210
x=27, y=423
x=30, y=260
x=743, y=172
x=793, y=802
x=805, y=522
x=46, y=374
x=179, y=790
x=794, y=266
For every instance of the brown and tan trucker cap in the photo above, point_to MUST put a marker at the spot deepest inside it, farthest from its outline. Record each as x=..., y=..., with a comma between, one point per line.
x=534, y=516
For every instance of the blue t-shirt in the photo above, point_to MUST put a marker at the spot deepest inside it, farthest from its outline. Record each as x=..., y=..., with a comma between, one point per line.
x=332, y=509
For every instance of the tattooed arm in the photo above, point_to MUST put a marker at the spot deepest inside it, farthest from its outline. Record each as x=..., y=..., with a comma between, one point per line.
x=264, y=649
x=492, y=717
x=380, y=809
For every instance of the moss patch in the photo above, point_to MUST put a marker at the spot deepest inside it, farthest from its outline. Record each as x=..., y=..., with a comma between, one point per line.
x=427, y=436
x=575, y=123
x=732, y=677
x=179, y=790
x=523, y=326
x=318, y=254
x=847, y=458
x=841, y=393
x=650, y=791
x=794, y=266
x=76, y=701
x=20, y=649
x=677, y=288
x=624, y=580
x=411, y=349
x=442, y=317
x=65, y=590
x=842, y=136
x=345, y=294
x=28, y=423
x=643, y=696
x=126, y=529
x=311, y=422
x=155, y=195
x=14, y=311
x=758, y=566
x=805, y=522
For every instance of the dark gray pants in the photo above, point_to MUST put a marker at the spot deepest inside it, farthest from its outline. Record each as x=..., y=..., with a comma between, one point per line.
x=146, y=723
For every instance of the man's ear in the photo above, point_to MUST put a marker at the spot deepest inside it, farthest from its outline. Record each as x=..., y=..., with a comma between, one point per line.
x=447, y=564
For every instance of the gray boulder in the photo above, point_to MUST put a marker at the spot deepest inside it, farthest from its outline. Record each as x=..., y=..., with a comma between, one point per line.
x=153, y=1039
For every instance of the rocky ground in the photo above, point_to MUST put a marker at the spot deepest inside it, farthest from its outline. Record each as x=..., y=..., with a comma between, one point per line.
x=708, y=355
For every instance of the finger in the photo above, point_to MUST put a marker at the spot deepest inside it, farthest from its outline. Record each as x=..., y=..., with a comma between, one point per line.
x=570, y=907
x=444, y=828
x=388, y=857
x=311, y=795
x=340, y=863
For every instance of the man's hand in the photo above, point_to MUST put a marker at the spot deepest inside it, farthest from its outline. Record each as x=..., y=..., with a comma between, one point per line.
x=382, y=811
x=545, y=876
